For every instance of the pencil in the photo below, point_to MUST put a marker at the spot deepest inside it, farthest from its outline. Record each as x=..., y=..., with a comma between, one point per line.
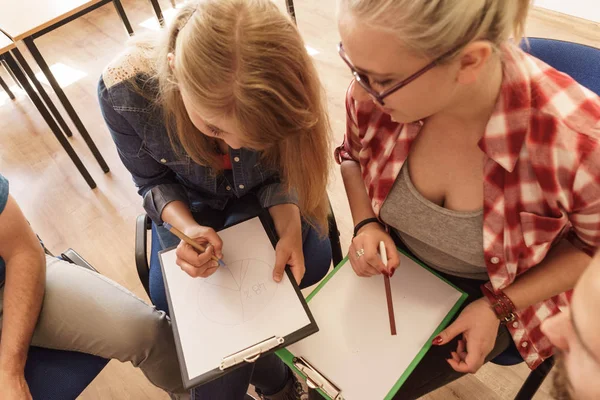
x=388, y=289
x=190, y=241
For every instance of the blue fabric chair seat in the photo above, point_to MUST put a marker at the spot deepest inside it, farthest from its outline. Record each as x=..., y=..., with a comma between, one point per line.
x=60, y=375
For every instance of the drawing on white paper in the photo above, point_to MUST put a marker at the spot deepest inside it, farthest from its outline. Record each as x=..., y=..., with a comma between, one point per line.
x=238, y=292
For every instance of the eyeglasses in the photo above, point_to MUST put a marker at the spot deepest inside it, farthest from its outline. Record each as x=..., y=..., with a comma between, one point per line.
x=363, y=80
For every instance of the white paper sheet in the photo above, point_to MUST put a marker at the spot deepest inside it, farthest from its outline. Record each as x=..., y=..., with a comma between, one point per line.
x=235, y=308
x=354, y=348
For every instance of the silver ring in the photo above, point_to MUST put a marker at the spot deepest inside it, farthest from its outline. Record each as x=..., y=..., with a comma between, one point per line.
x=360, y=253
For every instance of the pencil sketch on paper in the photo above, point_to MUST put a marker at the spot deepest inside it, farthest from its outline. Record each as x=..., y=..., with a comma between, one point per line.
x=238, y=292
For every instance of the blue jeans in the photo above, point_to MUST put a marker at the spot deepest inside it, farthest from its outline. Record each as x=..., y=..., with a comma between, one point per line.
x=269, y=373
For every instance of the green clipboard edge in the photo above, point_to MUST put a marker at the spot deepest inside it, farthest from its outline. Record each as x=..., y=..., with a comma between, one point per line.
x=287, y=357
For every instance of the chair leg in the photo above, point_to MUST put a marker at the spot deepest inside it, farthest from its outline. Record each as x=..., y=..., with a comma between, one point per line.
x=535, y=380
x=142, y=225
x=290, y=7
x=158, y=12
x=337, y=254
x=37, y=56
x=7, y=89
x=25, y=66
x=48, y=118
x=121, y=12
x=11, y=74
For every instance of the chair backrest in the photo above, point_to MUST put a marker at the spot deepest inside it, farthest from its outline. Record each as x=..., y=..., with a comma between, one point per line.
x=579, y=61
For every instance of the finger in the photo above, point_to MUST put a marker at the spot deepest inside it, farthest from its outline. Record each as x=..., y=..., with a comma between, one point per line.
x=453, y=330
x=281, y=258
x=188, y=268
x=214, y=240
x=210, y=270
x=458, y=366
x=206, y=257
x=461, y=349
x=354, y=262
x=189, y=254
x=363, y=269
x=475, y=357
x=372, y=256
x=393, y=256
x=455, y=357
x=298, y=272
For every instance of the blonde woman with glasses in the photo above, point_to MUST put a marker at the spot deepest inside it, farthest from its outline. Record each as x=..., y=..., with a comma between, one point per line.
x=481, y=160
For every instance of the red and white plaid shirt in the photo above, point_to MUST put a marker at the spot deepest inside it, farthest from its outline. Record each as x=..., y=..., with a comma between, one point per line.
x=541, y=176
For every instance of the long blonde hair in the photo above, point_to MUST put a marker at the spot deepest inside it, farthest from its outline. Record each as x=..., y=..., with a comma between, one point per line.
x=434, y=27
x=245, y=59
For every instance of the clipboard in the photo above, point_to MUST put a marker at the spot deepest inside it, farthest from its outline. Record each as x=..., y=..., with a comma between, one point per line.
x=248, y=354
x=347, y=361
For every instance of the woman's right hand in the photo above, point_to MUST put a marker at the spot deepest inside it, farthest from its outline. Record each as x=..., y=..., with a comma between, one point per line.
x=369, y=264
x=199, y=265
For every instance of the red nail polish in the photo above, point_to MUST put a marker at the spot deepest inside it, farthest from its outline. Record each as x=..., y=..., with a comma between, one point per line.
x=392, y=273
x=437, y=340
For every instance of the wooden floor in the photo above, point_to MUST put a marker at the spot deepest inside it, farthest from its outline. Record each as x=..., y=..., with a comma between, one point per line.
x=100, y=223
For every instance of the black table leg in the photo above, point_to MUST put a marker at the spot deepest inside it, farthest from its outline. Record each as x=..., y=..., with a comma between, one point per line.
x=121, y=12
x=21, y=60
x=37, y=56
x=6, y=89
x=158, y=12
x=22, y=79
x=290, y=7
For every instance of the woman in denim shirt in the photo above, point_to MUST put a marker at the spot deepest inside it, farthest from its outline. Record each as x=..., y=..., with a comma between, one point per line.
x=219, y=118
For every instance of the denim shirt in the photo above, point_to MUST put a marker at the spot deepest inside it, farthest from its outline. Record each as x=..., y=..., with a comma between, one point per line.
x=163, y=174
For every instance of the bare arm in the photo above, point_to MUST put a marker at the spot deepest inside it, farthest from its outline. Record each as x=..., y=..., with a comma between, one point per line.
x=178, y=214
x=557, y=273
x=24, y=288
x=360, y=203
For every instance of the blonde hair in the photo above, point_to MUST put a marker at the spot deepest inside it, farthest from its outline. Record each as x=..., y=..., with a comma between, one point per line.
x=435, y=27
x=244, y=59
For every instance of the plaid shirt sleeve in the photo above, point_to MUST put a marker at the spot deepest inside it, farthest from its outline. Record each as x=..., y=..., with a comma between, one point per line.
x=349, y=150
x=585, y=217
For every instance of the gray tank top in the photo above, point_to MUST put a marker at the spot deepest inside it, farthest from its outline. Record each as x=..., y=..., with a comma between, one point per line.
x=448, y=241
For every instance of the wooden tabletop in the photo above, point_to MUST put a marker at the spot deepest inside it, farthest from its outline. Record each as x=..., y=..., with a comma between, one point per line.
x=6, y=43
x=25, y=17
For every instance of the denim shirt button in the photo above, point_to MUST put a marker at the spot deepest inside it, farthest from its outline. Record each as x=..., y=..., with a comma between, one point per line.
x=228, y=188
x=236, y=159
x=162, y=160
x=241, y=186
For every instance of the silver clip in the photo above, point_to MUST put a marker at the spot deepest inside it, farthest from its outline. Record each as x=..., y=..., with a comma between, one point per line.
x=316, y=380
x=250, y=354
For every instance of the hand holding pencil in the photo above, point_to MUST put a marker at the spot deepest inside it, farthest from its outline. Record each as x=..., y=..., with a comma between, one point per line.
x=199, y=252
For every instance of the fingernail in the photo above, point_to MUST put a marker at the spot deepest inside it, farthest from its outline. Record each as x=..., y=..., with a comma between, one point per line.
x=278, y=278
x=215, y=264
x=392, y=273
x=437, y=340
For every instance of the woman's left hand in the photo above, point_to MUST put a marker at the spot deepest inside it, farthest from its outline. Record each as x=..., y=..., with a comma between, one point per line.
x=289, y=252
x=479, y=327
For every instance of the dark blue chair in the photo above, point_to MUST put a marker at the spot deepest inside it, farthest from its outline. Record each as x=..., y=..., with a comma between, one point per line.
x=579, y=61
x=582, y=63
x=57, y=374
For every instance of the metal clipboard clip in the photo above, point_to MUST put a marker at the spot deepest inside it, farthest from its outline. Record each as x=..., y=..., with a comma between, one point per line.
x=316, y=380
x=251, y=353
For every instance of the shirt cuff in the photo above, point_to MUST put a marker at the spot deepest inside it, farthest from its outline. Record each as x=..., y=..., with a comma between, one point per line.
x=157, y=198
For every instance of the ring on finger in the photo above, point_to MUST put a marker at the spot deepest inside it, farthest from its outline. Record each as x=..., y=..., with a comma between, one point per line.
x=360, y=253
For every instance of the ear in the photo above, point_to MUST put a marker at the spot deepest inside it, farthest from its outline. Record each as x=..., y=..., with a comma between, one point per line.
x=171, y=61
x=472, y=60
